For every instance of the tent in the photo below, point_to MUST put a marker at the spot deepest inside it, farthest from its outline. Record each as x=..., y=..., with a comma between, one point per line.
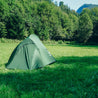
x=30, y=54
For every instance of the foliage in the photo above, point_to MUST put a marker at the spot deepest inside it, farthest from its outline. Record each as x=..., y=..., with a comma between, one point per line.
x=85, y=28
x=94, y=17
x=3, y=31
x=44, y=18
x=40, y=17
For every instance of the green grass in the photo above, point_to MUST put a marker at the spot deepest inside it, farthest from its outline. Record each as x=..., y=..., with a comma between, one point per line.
x=74, y=75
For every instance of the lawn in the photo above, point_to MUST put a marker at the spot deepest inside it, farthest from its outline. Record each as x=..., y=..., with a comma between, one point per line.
x=74, y=75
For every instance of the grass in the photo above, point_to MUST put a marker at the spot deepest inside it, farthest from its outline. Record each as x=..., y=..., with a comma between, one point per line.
x=74, y=75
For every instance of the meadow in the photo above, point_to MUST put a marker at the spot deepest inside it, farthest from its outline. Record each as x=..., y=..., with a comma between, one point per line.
x=73, y=75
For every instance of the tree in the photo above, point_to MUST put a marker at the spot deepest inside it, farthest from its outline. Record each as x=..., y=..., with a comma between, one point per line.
x=85, y=28
x=74, y=25
x=56, y=3
x=41, y=17
x=3, y=31
x=93, y=13
x=15, y=25
x=94, y=17
x=64, y=8
x=61, y=3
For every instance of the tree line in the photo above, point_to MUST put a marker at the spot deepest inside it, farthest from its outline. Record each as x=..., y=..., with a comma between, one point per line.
x=20, y=18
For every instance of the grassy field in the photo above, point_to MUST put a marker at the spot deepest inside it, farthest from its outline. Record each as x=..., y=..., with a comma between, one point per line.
x=74, y=75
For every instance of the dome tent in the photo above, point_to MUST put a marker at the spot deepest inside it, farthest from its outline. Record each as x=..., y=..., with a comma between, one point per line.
x=30, y=54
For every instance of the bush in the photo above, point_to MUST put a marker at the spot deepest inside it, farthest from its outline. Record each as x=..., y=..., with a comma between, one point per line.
x=4, y=40
x=60, y=42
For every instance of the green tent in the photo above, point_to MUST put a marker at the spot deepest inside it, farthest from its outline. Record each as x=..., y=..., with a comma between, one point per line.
x=30, y=54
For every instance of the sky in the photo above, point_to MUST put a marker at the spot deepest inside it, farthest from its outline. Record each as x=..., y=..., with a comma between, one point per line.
x=75, y=4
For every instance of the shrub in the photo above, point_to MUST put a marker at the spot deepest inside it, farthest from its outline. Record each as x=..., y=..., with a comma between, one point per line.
x=60, y=42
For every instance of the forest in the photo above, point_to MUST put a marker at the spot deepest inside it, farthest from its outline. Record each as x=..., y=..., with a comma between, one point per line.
x=20, y=18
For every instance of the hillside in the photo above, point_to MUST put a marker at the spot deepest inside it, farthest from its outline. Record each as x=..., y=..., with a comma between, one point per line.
x=86, y=6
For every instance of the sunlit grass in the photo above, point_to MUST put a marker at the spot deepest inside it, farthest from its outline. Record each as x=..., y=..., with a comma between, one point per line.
x=74, y=75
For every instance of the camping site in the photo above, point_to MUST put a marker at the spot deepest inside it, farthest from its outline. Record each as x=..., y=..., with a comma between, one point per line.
x=48, y=49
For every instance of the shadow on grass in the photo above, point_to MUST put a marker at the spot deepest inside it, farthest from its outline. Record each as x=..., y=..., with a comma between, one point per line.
x=55, y=82
x=92, y=44
x=88, y=46
x=88, y=60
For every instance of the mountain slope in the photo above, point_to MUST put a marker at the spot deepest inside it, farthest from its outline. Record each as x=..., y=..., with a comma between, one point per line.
x=86, y=6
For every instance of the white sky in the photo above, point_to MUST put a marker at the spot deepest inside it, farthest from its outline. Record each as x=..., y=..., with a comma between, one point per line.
x=75, y=4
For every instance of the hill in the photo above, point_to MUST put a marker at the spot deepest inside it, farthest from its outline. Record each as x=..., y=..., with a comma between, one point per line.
x=89, y=6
